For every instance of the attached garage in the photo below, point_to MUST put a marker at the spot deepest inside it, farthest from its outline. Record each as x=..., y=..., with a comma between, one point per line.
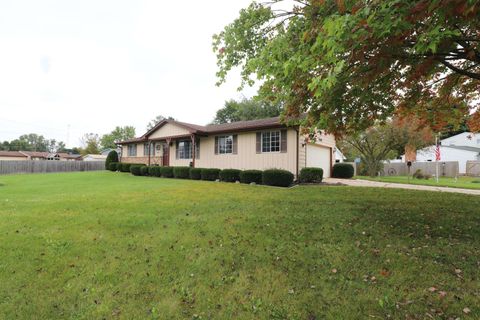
x=319, y=156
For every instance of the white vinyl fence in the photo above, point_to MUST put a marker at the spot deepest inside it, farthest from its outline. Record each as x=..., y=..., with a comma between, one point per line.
x=46, y=166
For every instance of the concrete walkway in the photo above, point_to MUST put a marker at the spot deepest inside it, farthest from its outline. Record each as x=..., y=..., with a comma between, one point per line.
x=379, y=184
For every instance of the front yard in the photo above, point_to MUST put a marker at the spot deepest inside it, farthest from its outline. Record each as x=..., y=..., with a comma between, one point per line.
x=460, y=182
x=111, y=245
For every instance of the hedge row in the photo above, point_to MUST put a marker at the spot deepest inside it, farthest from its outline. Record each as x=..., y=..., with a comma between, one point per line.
x=119, y=166
x=272, y=177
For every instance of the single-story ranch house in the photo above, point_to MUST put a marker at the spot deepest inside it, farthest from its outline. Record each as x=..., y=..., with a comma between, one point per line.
x=36, y=155
x=256, y=144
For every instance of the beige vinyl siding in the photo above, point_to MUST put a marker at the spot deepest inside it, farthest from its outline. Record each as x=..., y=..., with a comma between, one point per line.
x=169, y=130
x=246, y=157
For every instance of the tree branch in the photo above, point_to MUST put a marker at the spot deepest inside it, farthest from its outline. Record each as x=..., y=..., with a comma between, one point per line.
x=458, y=70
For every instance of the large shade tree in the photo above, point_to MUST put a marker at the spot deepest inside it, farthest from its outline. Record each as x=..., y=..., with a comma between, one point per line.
x=353, y=63
x=246, y=109
x=109, y=140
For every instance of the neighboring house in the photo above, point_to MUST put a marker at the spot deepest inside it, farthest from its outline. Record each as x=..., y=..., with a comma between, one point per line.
x=94, y=157
x=35, y=155
x=105, y=152
x=462, y=147
x=339, y=157
x=462, y=154
x=256, y=144
x=465, y=139
x=12, y=155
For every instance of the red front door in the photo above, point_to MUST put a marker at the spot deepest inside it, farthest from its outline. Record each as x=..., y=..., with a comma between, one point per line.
x=166, y=155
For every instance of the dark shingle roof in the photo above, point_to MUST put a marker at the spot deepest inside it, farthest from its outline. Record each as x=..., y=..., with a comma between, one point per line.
x=215, y=128
x=244, y=125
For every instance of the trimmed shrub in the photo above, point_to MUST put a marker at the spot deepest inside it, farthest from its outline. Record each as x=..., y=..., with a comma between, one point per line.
x=249, y=176
x=144, y=170
x=136, y=169
x=166, y=172
x=195, y=173
x=181, y=172
x=277, y=177
x=124, y=167
x=210, y=174
x=111, y=157
x=230, y=175
x=112, y=166
x=154, y=171
x=309, y=175
x=343, y=170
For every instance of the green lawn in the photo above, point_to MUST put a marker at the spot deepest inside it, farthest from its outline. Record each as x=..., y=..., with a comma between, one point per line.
x=461, y=182
x=109, y=245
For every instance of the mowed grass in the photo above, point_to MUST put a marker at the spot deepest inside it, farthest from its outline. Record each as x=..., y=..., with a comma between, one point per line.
x=460, y=182
x=108, y=245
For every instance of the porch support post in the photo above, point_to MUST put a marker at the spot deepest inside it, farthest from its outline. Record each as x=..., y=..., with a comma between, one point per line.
x=193, y=151
x=169, y=140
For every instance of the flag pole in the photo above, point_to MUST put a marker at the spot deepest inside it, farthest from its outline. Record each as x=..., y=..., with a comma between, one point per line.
x=436, y=157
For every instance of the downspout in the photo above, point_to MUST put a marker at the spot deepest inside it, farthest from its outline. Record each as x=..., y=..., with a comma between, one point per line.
x=331, y=160
x=298, y=152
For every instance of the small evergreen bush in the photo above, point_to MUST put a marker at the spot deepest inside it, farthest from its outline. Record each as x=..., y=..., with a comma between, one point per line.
x=136, y=169
x=166, y=172
x=195, y=173
x=249, y=176
x=311, y=175
x=144, y=170
x=113, y=166
x=181, y=172
x=210, y=174
x=343, y=170
x=277, y=177
x=154, y=171
x=230, y=175
x=111, y=157
x=124, y=167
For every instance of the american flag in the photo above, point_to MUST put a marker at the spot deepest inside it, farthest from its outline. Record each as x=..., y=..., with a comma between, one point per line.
x=437, y=152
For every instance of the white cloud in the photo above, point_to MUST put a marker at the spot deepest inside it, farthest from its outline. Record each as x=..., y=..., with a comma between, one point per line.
x=94, y=65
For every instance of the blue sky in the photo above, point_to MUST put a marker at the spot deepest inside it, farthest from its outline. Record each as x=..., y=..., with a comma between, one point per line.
x=91, y=65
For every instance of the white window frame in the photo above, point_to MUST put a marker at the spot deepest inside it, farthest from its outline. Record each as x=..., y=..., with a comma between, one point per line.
x=182, y=152
x=270, y=141
x=130, y=148
x=150, y=147
x=224, y=139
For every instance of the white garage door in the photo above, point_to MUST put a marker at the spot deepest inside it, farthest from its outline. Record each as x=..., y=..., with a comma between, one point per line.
x=319, y=157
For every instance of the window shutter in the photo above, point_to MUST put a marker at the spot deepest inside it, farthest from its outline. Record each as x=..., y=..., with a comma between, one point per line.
x=176, y=149
x=197, y=149
x=283, y=137
x=216, y=145
x=259, y=142
x=234, y=145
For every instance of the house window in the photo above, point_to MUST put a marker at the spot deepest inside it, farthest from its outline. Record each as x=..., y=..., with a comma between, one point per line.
x=184, y=149
x=271, y=141
x=132, y=150
x=225, y=144
x=146, y=148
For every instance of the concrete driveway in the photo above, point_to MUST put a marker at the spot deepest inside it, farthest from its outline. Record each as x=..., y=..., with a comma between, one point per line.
x=379, y=184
